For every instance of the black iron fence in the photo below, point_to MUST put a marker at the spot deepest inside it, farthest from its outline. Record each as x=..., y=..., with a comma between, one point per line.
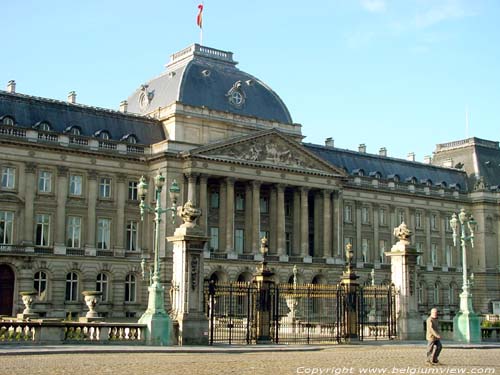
x=299, y=314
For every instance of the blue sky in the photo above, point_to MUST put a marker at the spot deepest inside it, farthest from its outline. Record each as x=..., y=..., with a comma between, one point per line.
x=398, y=74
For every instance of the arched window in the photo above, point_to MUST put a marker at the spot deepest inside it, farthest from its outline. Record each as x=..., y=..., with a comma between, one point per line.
x=421, y=293
x=71, y=287
x=437, y=294
x=102, y=286
x=130, y=288
x=451, y=294
x=75, y=130
x=40, y=285
x=43, y=126
x=7, y=120
x=103, y=134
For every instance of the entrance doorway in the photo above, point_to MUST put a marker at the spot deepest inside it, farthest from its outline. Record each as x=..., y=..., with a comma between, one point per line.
x=6, y=289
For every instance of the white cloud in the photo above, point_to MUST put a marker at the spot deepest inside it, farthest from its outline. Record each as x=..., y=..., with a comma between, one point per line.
x=374, y=6
x=440, y=11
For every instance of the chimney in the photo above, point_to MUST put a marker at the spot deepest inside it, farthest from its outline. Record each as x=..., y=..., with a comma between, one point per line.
x=382, y=151
x=72, y=97
x=11, y=86
x=329, y=142
x=411, y=156
x=427, y=159
x=123, y=106
x=362, y=148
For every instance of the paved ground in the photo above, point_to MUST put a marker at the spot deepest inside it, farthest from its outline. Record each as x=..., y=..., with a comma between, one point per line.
x=348, y=359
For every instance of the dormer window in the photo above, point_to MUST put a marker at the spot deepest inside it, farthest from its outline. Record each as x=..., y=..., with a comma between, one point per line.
x=412, y=180
x=7, y=120
x=376, y=175
x=394, y=177
x=73, y=130
x=236, y=96
x=358, y=172
x=43, y=126
x=130, y=138
x=103, y=134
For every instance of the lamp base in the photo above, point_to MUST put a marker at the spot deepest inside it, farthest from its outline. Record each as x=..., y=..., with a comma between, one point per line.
x=159, y=324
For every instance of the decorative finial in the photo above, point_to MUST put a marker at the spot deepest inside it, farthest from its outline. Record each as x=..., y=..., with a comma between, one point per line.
x=402, y=232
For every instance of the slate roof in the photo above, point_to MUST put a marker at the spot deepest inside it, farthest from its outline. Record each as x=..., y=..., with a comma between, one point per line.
x=27, y=111
x=203, y=76
x=352, y=162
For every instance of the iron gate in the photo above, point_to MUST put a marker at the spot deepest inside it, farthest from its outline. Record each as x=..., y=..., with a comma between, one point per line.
x=299, y=314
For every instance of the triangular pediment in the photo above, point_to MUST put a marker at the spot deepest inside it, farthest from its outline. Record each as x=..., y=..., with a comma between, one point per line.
x=269, y=148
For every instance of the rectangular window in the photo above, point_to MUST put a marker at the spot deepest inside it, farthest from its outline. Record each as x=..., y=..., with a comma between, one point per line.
x=132, y=235
x=264, y=233
x=75, y=185
x=214, y=199
x=348, y=213
x=45, y=182
x=382, y=249
x=419, y=247
x=365, y=249
x=8, y=177
x=240, y=201
x=42, y=232
x=74, y=232
x=264, y=205
x=6, y=227
x=103, y=234
x=434, y=254
x=434, y=222
x=365, y=215
x=288, y=243
x=447, y=226
x=418, y=220
x=105, y=187
x=449, y=255
x=401, y=217
x=288, y=208
x=382, y=214
x=132, y=190
x=239, y=241
x=214, y=239
x=130, y=286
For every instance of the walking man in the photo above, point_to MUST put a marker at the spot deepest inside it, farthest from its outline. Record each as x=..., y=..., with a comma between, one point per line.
x=433, y=337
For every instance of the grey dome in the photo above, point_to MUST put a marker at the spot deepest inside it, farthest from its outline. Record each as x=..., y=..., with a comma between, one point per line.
x=202, y=76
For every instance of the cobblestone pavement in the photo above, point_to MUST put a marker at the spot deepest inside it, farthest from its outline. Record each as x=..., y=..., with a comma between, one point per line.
x=355, y=359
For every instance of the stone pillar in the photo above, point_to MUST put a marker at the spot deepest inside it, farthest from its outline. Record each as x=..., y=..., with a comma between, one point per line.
x=357, y=217
x=296, y=248
x=255, y=216
x=62, y=193
x=376, y=236
x=203, y=220
x=349, y=287
x=338, y=224
x=222, y=216
x=248, y=219
x=280, y=220
x=404, y=277
x=304, y=222
x=318, y=225
x=327, y=224
x=120, y=215
x=191, y=193
x=272, y=221
x=90, y=249
x=186, y=292
x=229, y=216
x=29, y=203
x=428, y=239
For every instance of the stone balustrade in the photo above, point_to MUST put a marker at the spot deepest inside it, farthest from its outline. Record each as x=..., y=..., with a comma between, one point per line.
x=39, y=331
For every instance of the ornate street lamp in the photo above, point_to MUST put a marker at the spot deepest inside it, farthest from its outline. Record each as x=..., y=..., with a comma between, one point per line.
x=466, y=322
x=155, y=316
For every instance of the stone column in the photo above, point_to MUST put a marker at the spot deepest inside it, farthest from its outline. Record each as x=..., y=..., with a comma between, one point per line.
x=339, y=227
x=318, y=225
x=230, y=215
x=90, y=249
x=358, y=248
x=120, y=215
x=296, y=248
x=327, y=224
x=187, y=285
x=62, y=193
x=222, y=216
x=272, y=221
x=29, y=201
x=280, y=219
x=248, y=219
x=191, y=193
x=304, y=222
x=376, y=237
x=404, y=277
x=255, y=216
x=428, y=240
x=203, y=220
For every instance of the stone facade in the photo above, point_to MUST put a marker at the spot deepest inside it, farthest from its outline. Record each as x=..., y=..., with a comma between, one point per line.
x=70, y=217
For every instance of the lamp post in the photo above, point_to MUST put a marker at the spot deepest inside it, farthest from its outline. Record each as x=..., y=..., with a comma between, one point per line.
x=466, y=323
x=155, y=316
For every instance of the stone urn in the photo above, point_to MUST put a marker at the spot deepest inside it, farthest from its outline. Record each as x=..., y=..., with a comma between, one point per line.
x=91, y=298
x=28, y=298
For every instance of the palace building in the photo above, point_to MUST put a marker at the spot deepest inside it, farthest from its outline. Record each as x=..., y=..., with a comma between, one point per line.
x=69, y=209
